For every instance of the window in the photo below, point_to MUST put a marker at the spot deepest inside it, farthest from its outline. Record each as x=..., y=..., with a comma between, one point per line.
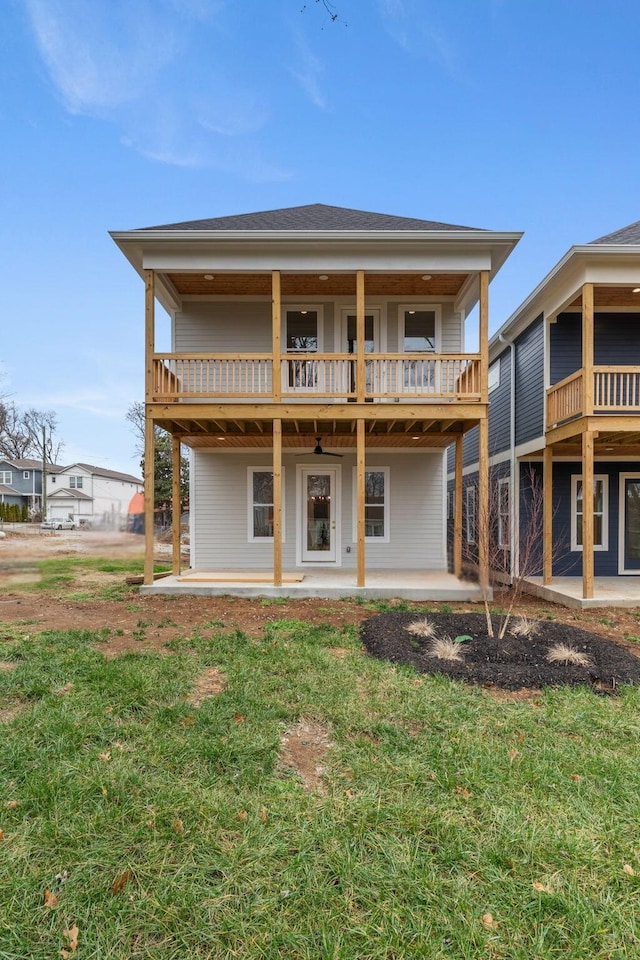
x=75, y=483
x=260, y=492
x=494, y=375
x=419, y=330
x=302, y=332
x=25, y=474
x=376, y=505
x=6, y=477
x=504, y=513
x=600, y=512
x=470, y=515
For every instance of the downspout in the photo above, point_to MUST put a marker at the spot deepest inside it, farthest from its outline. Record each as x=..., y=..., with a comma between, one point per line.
x=515, y=493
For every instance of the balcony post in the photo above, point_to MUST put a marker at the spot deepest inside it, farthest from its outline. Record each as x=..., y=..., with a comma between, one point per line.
x=483, y=335
x=176, y=504
x=587, y=515
x=457, y=510
x=361, y=379
x=483, y=438
x=547, y=515
x=149, y=496
x=360, y=487
x=587, y=349
x=149, y=331
x=277, y=503
x=276, y=348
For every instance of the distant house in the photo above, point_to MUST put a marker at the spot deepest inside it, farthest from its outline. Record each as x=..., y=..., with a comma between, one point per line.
x=91, y=495
x=21, y=482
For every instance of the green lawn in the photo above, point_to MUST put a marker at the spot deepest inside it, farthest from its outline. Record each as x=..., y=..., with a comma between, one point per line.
x=453, y=825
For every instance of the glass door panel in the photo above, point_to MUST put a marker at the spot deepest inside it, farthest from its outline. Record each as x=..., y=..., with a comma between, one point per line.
x=632, y=524
x=318, y=526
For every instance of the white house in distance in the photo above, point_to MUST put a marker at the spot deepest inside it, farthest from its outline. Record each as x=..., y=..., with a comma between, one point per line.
x=91, y=495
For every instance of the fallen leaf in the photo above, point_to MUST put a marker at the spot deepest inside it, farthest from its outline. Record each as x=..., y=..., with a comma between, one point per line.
x=72, y=938
x=11, y=804
x=264, y=815
x=103, y=790
x=350, y=794
x=50, y=899
x=187, y=721
x=1, y=834
x=488, y=922
x=540, y=887
x=629, y=869
x=242, y=816
x=576, y=777
x=513, y=754
x=239, y=718
x=178, y=825
x=121, y=881
x=466, y=794
x=104, y=756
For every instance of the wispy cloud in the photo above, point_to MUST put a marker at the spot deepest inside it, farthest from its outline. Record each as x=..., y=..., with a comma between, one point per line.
x=308, y=71
x=124, y=62
x=415, y=29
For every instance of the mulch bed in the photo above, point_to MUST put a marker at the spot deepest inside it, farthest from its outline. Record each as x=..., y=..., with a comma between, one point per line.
x=513, y=663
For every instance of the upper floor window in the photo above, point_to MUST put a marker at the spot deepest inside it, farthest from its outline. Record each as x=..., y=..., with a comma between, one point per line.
x=494, y=375
x=75, y=483
x=418, y=329
x=600, y=512
x=302, y=330
x=25, y=474
x=6, y=477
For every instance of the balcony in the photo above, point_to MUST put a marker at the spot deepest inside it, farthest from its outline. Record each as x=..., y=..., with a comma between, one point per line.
x=616, y=390
x=249, y=377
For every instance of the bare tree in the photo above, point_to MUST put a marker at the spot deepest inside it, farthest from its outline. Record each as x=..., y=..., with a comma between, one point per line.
x=163, y=467
x=29, y=433
x=330, y=10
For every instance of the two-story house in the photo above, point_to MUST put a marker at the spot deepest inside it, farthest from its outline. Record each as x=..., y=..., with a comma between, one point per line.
x=91, y=495
x=318, y=371
x=21, y=483
x=564, y=392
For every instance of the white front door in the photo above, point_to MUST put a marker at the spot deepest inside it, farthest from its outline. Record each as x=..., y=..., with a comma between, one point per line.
x=318, y=514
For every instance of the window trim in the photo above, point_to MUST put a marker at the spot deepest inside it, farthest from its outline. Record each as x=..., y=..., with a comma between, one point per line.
x=25, y=474
x=73, y=481
x=437, y=337
x=496, y=381
x=504, y=542
x=3, y=478
x=386, y=511
x=471, y=511
x=251, y=537
x=604, y=545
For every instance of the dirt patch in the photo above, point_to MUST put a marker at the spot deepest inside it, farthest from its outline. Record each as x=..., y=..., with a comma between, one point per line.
x=9, y=710
x=6, y=666
x=303, y=749
x=511, y=663
x=209, y=684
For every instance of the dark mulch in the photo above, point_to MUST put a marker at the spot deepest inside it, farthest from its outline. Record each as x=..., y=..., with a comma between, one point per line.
x=512, y=663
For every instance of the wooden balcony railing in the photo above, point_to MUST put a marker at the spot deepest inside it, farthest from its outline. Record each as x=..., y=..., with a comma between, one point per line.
x=615, y=390
x=326, y=376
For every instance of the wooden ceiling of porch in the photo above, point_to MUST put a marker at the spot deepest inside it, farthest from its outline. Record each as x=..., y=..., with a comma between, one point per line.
x=611, y=297
x=307, y=284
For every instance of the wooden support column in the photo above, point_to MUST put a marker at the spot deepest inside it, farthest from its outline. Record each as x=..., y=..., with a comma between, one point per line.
x=176, y=504
x=277, y=503
x=457, y=511
x=361, y=376
x=587, y=349
x=483, y=335
x=276, y=345
x=587, y=515
x=149, y=496
x=547, y=515
x=360, y=488
x=483, y=519
x=149, y=431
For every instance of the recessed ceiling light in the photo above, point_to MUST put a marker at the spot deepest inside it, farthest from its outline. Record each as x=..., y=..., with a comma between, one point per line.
x=415, y=438
x=209, y=276
x=636, y=290
x=609, y=448
x=221, y=438
x=426, y=276
x=323, y=276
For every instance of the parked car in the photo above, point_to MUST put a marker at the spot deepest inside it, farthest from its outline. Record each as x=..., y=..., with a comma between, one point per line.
x=58, y=524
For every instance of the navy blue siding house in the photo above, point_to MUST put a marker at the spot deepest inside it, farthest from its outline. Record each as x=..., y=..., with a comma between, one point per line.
x=564, y=408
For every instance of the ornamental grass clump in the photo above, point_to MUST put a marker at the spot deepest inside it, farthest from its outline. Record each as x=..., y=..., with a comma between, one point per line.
x=563, y=653
x=524, y=628
x=422, y=628
x=443, y=648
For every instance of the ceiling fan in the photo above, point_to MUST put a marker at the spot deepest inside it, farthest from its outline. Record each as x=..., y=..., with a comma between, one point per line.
x=319, y=452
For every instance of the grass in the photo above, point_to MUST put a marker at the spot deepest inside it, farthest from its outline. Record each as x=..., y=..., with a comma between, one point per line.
x=61, y=574
x=169, y=831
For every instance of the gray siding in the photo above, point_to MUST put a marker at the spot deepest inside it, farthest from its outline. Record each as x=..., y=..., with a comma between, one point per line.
x=616, y=341
x=499, y=407
x=529, y=386
x=219, y=504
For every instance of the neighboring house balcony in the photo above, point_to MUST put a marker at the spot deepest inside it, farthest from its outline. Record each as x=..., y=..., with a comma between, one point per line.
x=615, y=390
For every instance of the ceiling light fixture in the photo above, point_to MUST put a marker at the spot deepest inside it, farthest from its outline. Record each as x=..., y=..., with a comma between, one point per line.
x=323, y=276
x=415, y=438
x=636, y=290
x=209, y=276
x=426, y=276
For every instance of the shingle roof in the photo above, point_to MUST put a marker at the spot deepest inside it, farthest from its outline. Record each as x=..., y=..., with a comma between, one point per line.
x=102, y=472
x=9, y=491
x=313, y=216
x=629, y=235
x=66, y=494
x=26, y=464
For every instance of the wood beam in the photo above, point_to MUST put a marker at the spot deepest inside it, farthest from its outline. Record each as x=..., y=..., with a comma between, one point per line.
x=149, y=497
x=277, y=503
x=149, y=330
x=587, y=349
x=360, y=487
x=361, y=379
x=483, y=335
x=587, y=515
x=547, y=515
x=276, y=344
x=457, y=511
x=318, y=412
x=176, y=506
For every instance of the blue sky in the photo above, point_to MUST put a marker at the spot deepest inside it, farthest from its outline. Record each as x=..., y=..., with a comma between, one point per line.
x=117, y=114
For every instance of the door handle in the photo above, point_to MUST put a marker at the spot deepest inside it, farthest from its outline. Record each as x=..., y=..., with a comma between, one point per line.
x=333, y=524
